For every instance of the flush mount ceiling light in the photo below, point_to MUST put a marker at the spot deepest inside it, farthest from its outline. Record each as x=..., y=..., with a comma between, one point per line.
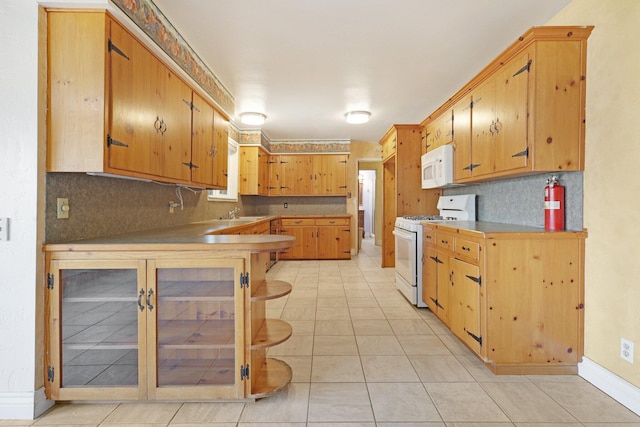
x=250, y=118
x=357, y=117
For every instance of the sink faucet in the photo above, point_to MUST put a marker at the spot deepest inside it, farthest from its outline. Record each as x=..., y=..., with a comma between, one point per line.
x=232, y=213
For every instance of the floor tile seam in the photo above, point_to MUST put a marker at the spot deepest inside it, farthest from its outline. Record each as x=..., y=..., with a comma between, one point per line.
x=483, y=383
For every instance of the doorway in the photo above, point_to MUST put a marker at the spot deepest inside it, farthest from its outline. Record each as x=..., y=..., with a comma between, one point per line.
x=369, y=224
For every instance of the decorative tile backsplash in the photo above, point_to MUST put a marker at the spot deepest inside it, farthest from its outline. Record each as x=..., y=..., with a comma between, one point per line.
x=521, y=200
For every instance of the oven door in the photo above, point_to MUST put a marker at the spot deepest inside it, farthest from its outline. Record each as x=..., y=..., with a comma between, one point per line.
x=406, y=263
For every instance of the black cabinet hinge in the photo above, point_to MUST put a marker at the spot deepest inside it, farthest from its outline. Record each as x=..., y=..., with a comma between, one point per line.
x=478, y=279
x=116, y=49
x=190, y=105
x=50, y=281
x=437, y=260
x=523, y=69
x=475, y=337
x=244, y=372
x=50, y=373
x=191, y=165
x=471, y=167
x=244, y=280
x=524, y=153
x=342, y=161
x=111, y=141
x=343, y=186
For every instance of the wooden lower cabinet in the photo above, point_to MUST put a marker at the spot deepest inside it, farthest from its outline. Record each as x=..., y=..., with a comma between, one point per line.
x=318, y=238
x=513, y=294
x=161, y=326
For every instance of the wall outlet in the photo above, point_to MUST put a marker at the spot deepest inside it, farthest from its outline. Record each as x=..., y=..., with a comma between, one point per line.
x=626, y=350
x=286, y=205
x=62, y=208
x=4, y=229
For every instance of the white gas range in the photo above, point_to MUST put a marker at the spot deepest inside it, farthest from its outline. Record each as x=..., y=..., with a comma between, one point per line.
x=408, y=242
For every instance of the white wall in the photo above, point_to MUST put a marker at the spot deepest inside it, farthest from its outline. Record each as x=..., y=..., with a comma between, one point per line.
x=611, y=189
x=20, y=260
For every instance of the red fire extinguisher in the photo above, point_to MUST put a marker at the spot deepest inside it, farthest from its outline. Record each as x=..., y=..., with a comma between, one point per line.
x=553, y=205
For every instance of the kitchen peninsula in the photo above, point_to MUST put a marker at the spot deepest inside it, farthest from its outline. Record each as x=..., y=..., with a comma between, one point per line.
x=169, y=314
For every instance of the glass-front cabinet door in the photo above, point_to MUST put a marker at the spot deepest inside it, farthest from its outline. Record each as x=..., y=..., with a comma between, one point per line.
x=195, y=329
x=95, y=320
x=145, y=329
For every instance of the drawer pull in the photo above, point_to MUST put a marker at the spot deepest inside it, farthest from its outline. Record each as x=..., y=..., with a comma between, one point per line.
x=428, y=237
x=464, y=248
x=298, y=222
x=444, y=242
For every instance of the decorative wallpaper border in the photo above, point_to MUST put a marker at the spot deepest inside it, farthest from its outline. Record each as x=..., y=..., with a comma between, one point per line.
x=146, y=15
x=310, y=146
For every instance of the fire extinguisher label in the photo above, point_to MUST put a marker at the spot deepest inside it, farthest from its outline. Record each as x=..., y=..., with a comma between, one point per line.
x=552, y=204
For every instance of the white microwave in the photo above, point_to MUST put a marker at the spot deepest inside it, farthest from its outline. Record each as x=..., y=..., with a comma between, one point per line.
x=437, y=167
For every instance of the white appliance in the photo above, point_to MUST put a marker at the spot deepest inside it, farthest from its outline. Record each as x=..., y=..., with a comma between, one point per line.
x=408, y=242
x=437, y=167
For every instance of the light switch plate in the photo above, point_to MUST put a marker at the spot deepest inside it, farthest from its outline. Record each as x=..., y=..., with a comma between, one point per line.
x=4, y=229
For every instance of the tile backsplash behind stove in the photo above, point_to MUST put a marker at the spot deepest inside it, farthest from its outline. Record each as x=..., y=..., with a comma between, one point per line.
x=521, y=200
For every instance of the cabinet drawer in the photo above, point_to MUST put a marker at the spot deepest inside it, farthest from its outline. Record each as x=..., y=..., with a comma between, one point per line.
x=332, y=221
x=298, y=221
x=445, y=241
x=468, y=248
x=428, y=236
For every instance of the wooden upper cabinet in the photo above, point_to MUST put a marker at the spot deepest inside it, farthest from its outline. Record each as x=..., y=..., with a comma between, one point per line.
x=254, y=171
x=510, y=129
x=297, y=174
x=330, y=174
x=483, y=122
x=528, y=109
x=150, y=127
x=220, y=150
x=438, y=131
x=462, y=138
x=202, y=142
x=125, y=111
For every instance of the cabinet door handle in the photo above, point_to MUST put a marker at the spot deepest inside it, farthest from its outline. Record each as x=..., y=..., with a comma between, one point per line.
x=444, y=242
x=464, y=248
x=157, y=124
x=149, y=305
x=140, y=295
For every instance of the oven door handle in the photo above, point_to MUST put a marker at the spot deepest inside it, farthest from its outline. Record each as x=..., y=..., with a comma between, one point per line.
x=402, y=234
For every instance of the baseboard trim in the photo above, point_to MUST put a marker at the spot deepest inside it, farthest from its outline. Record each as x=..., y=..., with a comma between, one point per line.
x=610, y=383
x=23, y=406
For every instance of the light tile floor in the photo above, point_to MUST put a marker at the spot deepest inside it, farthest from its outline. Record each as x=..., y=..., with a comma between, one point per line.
x=363, y=357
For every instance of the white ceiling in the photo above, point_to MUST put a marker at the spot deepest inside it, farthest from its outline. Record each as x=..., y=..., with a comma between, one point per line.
x=305, y=63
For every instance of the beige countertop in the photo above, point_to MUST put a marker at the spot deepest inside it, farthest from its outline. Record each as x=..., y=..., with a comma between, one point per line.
x=194, y=236
x=489, y=228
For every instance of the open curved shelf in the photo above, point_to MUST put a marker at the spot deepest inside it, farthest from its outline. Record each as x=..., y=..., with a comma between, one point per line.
x=272, y=332
x=274, y=376
x=271, y=289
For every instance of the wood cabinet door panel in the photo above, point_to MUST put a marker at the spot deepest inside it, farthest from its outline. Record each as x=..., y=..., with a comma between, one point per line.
x=462, y=139
x=221, y=151
x=175, y=134
x=466, y=300
x=511, y=142
x=443, y=289
x=483, y=123
x=202, y=142
x=275, y=175
x=297, y=173
x=330, y=174
x=430, y=278
x=132, y=78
